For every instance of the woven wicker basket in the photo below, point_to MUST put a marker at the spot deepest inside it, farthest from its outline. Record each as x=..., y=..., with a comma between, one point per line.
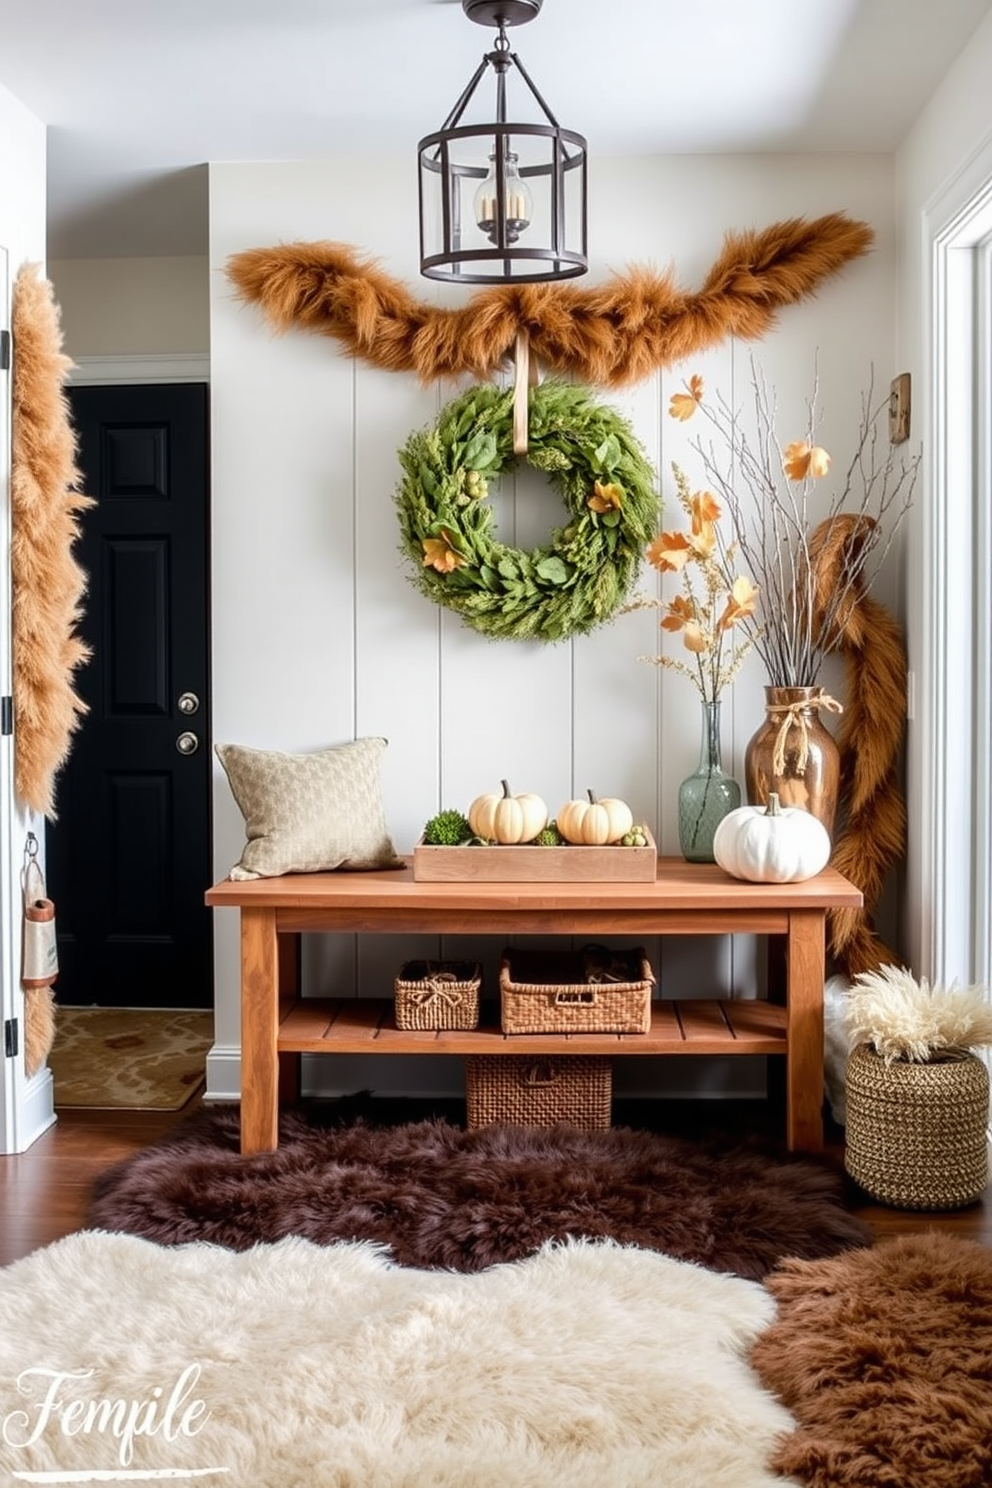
x=438, y=994
x=594, y=990
x=916, y=1133
x=530, y=1090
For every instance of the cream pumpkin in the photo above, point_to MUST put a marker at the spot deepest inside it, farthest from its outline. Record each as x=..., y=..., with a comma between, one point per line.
x=773, y=845
x=593, y=823
x=503, y=817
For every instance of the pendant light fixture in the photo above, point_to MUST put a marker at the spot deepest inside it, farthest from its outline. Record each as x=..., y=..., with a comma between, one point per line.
x=502, y=202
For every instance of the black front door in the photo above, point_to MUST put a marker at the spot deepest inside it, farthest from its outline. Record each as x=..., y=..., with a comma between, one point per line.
x=129, y=856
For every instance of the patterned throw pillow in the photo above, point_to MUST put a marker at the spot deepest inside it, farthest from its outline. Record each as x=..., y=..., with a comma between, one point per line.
x=307, y=813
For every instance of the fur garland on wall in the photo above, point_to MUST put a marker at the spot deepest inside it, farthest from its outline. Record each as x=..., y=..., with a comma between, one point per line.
x=872, y=836
x=48, y=584
x=612, y=335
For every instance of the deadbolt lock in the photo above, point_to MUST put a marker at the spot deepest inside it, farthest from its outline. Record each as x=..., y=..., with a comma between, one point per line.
x=188, y=702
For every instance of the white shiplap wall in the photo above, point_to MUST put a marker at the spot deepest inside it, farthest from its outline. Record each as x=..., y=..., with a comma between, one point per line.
x=318, y=636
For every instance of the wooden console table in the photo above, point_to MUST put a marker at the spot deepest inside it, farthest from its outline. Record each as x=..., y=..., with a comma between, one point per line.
x=685, y=899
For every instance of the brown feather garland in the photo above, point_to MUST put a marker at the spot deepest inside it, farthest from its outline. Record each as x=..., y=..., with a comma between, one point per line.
x=47, y=583
x=610, y=335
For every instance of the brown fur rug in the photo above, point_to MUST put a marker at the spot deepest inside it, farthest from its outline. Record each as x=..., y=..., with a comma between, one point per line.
x=884, y=1357
x=440, y=1196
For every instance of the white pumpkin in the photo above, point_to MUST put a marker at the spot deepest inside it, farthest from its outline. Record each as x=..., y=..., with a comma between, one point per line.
x=773, y=845
x=508, y=818
x=594, y=823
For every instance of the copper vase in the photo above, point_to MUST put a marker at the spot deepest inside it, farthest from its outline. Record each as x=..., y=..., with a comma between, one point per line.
x=794, y=754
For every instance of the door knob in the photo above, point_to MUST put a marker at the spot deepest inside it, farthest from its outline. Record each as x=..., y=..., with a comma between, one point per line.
x=187, y=743
x=188, y=702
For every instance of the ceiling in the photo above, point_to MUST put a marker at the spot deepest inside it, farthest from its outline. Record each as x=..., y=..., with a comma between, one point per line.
x=139, y=94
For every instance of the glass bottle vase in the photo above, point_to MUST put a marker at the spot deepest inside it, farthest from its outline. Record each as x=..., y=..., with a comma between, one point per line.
x=707, y=795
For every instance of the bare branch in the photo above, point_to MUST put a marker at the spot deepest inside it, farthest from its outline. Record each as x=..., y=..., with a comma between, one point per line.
x=774, y=519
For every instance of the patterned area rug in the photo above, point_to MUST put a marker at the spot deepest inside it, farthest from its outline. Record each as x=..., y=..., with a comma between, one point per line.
x=118, y=1058
x=441, y=1196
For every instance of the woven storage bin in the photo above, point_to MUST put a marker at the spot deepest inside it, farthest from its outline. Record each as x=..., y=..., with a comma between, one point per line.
x=594, y=990
x=438, y=994
x=916, y=1132
x=531, y=1090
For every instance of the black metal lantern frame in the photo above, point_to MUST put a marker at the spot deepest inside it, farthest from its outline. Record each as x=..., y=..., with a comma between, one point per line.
x=523, y=216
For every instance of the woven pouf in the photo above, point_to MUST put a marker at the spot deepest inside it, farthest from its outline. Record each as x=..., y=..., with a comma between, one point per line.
x=916, y=1133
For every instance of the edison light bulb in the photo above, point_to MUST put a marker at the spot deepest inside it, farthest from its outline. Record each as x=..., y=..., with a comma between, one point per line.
x=517, y=198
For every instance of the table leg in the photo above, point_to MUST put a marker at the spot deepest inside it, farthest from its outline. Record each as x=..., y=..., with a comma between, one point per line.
x=805, y=952
x=259, y=1030
x=290, y=1084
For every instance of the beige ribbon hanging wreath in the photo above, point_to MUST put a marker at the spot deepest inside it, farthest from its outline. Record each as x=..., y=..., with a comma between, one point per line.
x=611, y=335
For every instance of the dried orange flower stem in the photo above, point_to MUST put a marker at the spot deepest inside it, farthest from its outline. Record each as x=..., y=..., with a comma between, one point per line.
x=713, y=602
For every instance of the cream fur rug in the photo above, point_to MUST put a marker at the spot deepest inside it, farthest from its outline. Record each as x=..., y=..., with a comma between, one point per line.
x=585, y=1365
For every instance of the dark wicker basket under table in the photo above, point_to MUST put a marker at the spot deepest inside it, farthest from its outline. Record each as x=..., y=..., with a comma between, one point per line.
x=534, y=1090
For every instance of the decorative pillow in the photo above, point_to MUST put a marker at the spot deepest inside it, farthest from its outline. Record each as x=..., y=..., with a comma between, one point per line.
x=306, y=813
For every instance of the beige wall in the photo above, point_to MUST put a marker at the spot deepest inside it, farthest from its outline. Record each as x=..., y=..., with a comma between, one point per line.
x=132, y=306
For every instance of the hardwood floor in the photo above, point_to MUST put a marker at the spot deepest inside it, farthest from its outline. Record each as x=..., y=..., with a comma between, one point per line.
x=44, y=1192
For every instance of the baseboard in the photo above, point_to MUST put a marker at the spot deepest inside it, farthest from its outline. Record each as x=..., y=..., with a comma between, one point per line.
x=37, y=1111
x=358, y=1072
x=223, y=1073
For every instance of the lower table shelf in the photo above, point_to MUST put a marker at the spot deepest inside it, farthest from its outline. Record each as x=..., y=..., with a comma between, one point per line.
x=367, y=1026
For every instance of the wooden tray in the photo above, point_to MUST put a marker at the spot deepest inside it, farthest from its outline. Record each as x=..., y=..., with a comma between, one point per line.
x=530, y=864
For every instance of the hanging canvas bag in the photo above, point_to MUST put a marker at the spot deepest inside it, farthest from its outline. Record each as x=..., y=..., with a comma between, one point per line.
x=40, y=957
x=39, y=963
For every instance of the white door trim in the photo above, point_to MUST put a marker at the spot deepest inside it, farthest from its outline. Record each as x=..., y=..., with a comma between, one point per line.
x=955, y=696
x=105, y=371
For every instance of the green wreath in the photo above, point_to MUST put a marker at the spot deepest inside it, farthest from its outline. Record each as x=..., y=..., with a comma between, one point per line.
x=583, y=574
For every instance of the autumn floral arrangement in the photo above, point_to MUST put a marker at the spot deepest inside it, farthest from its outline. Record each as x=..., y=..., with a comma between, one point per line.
x=709, y=612
x=813, y=548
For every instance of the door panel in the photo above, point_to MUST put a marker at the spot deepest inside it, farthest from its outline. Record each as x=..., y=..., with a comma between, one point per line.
x=129, y=857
